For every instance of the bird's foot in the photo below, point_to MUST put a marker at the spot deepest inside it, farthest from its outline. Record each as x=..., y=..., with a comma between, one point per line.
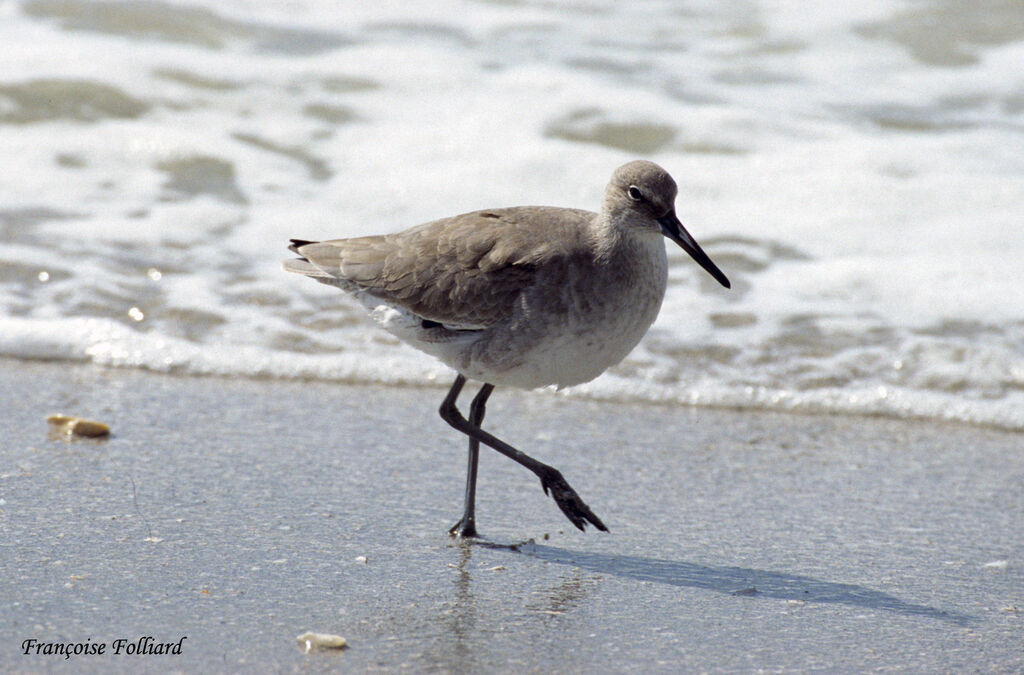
x=464, y=529
x=578, y=513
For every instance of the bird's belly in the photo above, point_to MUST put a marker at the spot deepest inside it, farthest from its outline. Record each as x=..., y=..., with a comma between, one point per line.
x=562, y=353
x=566, y=361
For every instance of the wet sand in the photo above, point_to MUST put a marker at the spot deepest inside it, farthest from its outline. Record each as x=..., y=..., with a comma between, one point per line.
x=241, y=513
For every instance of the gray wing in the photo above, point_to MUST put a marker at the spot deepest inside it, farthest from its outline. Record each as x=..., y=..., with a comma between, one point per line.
x=468, y=270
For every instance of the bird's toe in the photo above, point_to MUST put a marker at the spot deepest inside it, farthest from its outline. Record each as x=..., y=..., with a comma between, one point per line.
x=570, y=503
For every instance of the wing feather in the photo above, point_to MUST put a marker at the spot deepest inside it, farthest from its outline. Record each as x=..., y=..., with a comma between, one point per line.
x=465, y=270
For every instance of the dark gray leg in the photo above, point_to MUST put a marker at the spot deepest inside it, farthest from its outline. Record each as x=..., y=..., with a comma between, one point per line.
x=551, y=480
x=467, y=526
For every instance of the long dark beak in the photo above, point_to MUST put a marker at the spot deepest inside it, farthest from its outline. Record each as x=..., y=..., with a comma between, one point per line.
x=674, y=230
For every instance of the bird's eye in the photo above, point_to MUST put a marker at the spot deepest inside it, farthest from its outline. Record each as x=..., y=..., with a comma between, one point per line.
x=635, y=194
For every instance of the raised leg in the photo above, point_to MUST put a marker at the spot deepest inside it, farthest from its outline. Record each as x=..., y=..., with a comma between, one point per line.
x=466, y=527
x=551, y=480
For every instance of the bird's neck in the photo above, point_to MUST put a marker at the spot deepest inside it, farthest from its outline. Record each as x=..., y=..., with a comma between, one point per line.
x=615, y=238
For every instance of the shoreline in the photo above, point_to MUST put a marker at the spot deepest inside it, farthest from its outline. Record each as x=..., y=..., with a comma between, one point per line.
x=581, y=393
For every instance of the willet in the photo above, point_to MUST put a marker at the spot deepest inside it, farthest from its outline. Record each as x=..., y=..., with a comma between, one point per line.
x=525, y=297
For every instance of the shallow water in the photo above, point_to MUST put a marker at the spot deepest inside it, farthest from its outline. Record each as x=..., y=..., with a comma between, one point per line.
x=857, y=172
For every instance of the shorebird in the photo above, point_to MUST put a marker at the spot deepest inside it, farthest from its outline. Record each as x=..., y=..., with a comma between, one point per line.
x=526, y=297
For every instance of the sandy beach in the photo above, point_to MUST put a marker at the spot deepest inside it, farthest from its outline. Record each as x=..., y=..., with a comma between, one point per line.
x=239, y=514
x=277, y=464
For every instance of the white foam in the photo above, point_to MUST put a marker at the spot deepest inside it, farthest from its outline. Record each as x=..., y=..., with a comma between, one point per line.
x=865, y=202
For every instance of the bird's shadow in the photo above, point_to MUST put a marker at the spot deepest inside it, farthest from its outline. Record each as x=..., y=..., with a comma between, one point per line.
x=737, y=581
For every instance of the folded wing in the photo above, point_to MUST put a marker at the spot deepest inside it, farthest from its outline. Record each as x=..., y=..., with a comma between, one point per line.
x=465, y=271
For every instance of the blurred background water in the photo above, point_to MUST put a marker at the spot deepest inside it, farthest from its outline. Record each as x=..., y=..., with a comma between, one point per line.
x=857, y=171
